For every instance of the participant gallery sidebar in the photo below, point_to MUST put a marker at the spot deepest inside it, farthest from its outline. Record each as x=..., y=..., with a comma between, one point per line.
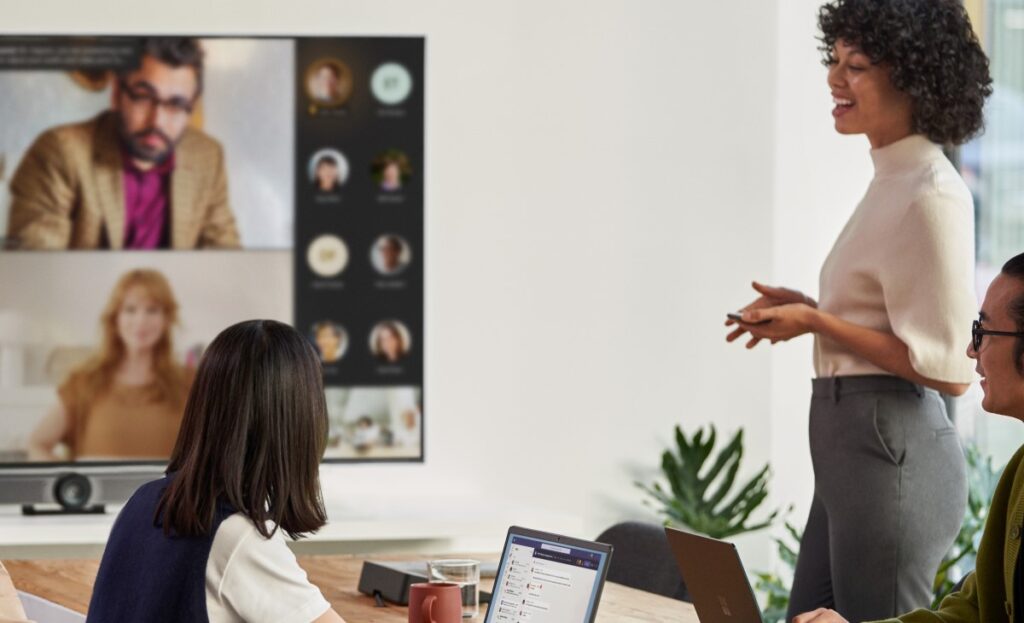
x=359, y=200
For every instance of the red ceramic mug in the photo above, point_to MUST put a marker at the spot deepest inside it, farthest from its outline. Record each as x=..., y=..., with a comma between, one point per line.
x=435, y=603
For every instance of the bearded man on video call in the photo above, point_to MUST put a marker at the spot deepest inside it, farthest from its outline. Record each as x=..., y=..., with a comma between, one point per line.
x=136, y=176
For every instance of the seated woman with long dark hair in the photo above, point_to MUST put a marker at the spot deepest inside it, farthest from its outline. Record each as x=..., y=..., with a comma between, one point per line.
x=205, y=542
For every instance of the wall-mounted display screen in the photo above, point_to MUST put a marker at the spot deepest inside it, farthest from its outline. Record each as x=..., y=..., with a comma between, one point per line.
x=154, y=190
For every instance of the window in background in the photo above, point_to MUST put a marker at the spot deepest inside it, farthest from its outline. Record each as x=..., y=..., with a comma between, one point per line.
x=993, y=167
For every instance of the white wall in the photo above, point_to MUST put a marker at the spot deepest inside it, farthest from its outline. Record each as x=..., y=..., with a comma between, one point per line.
x=601, y=191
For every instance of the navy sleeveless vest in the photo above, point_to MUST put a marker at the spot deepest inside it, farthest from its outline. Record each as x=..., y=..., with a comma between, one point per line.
x=147, y=577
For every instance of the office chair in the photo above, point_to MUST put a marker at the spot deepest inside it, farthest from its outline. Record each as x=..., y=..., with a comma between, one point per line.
x=643, y=559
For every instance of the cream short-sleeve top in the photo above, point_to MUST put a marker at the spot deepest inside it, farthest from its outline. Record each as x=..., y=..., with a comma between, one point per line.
x=253, y=579
x=904, y=264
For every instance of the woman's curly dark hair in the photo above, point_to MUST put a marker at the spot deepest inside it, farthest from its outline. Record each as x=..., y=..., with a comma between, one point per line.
x=933, y=54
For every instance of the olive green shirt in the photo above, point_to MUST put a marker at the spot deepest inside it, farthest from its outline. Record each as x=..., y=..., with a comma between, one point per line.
x=987, y=594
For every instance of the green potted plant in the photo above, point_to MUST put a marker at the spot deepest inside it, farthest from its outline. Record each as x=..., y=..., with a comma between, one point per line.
x=700, y=493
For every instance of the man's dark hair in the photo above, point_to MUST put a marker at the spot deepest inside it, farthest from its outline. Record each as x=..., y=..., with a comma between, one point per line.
x=1014, y=267
x=176, y=52
x=252, y=436
x=933, y=54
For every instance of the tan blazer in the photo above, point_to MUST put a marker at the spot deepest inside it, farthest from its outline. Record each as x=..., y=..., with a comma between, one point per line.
x=68, y=191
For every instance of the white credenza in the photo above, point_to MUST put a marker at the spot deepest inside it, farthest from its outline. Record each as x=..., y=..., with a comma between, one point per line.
x=418, y=527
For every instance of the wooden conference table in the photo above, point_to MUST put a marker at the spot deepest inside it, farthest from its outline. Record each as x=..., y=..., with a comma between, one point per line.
x=69, y=583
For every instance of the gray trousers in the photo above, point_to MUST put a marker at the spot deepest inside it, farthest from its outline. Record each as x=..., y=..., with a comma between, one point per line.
x=890, y=491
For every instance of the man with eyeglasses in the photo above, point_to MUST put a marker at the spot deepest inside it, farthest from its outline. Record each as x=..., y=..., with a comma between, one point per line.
x=994, y=591
x=135, y=177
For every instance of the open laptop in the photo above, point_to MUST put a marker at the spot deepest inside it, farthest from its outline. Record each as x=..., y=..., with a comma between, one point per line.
x=715, y=578
x=547, y=578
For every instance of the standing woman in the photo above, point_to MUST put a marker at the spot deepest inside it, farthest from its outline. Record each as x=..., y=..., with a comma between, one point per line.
x=896, y=297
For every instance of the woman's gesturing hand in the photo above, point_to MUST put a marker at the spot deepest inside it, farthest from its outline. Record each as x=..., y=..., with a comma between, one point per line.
x=771, y=297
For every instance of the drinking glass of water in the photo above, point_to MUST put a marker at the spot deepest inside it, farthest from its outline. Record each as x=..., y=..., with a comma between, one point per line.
x=465, y=573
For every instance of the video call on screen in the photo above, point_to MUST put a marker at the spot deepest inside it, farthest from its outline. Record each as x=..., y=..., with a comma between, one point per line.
x=154, y=191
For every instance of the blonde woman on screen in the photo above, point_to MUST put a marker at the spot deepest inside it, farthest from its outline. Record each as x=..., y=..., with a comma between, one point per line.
x=127, y=400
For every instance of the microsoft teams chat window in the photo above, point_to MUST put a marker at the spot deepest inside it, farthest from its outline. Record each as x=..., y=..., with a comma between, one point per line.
x=545, y=582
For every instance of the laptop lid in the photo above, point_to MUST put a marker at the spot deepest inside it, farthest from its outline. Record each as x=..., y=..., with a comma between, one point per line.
x=715, y=578
x=548, y=578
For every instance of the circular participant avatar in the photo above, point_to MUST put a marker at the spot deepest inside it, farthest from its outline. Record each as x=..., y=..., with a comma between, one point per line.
x=391, y=83
x=328, y=170
x=390, y=254
x=391, y=170
x=330, y=340
x=327, y=255
x=390, y=341
x=328, y=82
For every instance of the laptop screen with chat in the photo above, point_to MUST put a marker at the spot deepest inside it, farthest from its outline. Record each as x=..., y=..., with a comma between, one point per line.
x=548, y=580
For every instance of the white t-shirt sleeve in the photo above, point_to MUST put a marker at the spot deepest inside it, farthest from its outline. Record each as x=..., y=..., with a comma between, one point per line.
x=254, y=579
x=928, y=285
